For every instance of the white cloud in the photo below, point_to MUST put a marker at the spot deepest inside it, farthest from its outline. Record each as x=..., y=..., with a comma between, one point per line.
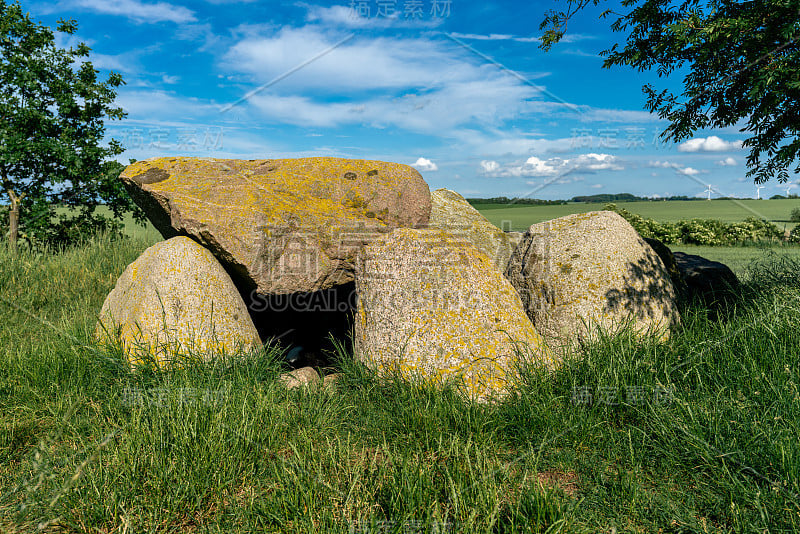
x=663, y=164
x=425, y=165
x=597, y=186
x=166, y=78
x=359, y=64
x=420, y=84
x=568, y=38
x=150, y=105
x=727, y=162
x=437, y=113
x=554, y=167
x=495, y=37
x=499, y=142
x=138, y=11
x=686, y=171
x=711, y=143
x=490, y=166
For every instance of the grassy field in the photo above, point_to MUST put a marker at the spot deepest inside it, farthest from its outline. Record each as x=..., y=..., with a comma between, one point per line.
x=519, y=217
x=698, y=434
x=738, y=258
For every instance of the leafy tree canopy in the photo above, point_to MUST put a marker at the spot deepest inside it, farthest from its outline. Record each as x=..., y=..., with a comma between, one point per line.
x=52, y=108
x=743, y=62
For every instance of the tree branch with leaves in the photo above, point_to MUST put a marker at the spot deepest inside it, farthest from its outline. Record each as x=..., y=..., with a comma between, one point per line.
x=741, y=62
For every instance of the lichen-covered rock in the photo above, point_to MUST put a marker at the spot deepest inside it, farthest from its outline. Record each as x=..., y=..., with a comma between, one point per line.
x=431, y=306
x=452, y=213
x=592, y=269
x=282, y=225
x=176, y=299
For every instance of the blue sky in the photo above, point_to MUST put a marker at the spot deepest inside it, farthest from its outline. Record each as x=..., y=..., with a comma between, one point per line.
x=458, y=89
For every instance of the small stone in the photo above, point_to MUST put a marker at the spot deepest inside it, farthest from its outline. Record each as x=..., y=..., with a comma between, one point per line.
x=305, y=376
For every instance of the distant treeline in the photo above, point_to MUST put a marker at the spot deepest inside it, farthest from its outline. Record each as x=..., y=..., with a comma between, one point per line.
x=506, y=200
x=592, y=199
x=627, y=197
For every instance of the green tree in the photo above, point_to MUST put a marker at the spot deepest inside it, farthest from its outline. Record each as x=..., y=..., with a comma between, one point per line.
x=53, y=162
x=741, y=61
x=795, y=215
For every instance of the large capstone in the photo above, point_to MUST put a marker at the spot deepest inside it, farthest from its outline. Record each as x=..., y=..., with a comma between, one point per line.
x=283, y=225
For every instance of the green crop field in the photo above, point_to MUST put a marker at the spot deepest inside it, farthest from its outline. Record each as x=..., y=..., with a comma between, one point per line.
x=519, y=217
x=738, y=258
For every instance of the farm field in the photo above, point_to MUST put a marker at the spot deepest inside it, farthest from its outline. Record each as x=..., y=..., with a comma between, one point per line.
x=519, y=217
x=738, y=258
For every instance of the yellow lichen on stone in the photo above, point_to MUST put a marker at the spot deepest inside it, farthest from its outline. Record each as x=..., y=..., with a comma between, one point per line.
x=452, y=213
x=587, y=271
x=175, y=300
x=255, y=214
x=433, y=306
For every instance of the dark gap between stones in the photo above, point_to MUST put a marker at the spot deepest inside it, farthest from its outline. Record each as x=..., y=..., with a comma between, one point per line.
x=306, y=324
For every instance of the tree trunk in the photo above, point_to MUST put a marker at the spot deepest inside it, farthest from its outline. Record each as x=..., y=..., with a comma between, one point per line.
x=13, y=219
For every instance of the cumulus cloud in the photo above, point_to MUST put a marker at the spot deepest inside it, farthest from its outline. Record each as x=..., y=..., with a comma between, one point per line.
x=425, y=165
x=711, y=143
x=552, y=167
x=139, y=11
x=686, y=171
x=417, y=83
x=490, y=166
x=727, y=162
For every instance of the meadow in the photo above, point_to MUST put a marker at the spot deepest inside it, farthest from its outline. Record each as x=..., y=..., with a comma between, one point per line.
x=695, y=434
x=520, y=216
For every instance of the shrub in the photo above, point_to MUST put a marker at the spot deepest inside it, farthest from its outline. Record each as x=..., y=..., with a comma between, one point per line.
x=795, y=216
x=794, y=237
x=708, y=232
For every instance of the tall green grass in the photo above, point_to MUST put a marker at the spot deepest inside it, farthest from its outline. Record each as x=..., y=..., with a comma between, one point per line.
x=697, y=434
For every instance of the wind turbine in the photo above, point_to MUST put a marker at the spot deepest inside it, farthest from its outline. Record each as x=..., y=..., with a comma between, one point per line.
x=789, y=188
x=709, y=190
x=758, y=191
